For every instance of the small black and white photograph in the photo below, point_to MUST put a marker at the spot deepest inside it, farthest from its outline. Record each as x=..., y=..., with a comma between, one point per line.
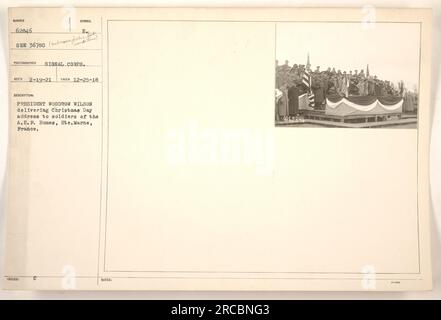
x=347, y=75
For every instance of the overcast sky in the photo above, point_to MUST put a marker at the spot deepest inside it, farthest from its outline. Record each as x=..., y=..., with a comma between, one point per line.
x=390, y=49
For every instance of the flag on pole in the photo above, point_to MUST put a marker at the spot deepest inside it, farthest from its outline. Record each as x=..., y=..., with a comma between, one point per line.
x=367, y=71
x=306, y=80
x=308, y=64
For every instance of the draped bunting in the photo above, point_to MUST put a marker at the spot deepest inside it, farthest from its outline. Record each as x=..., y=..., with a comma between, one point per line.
x=363, y=105
x=360, y=100
x=365, y=100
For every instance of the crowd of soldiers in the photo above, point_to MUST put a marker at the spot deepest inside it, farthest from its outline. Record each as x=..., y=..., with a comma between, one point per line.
x=333, y=82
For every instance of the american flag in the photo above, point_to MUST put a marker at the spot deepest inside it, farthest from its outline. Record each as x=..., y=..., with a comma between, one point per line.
x=306, y=80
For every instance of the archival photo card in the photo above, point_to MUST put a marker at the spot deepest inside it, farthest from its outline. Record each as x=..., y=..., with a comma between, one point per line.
x=144, y=154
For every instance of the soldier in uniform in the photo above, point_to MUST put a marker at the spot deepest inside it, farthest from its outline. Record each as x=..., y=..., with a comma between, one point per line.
x=319, y=93
x=345, y=84
x=293, y=100
x=281, y=104
x=362, y=87
x=371, y=86
x=377, y=87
